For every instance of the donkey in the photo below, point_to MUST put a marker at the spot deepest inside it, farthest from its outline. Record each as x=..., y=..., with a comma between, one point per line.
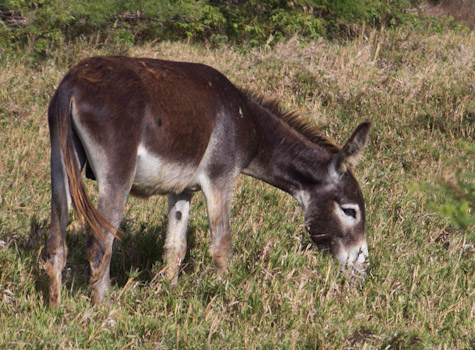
x=146, y=127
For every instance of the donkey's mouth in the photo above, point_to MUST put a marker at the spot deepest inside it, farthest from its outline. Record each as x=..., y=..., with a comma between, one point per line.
x=320, y=238
x=323, y=242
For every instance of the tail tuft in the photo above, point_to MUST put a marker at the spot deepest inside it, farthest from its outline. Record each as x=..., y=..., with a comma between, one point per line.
x=81, y=202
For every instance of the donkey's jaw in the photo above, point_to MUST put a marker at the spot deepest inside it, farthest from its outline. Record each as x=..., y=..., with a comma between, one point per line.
x=354, y=258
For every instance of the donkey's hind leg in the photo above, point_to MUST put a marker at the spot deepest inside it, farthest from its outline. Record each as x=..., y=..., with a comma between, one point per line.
x=99, y=244
x=60, y=206
x=56, y=245
x=175, y=243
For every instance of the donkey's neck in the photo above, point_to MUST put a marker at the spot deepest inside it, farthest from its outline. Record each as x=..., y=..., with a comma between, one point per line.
x=285, y=158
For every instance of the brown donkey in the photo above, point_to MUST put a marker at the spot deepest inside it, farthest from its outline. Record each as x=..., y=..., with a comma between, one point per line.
x=146, y=127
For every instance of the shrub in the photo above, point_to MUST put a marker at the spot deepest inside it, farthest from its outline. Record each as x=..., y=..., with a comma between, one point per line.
x=40, y=25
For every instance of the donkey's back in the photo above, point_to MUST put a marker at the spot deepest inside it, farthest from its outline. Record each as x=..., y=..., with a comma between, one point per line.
x=160, y=116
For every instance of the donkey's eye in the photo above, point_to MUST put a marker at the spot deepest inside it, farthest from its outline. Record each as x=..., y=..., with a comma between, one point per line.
x=350, y=212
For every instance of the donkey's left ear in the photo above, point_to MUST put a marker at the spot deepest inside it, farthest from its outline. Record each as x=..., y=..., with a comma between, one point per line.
x=350, y=154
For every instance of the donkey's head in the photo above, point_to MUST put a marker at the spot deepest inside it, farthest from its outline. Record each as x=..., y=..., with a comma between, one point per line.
x=335, y=210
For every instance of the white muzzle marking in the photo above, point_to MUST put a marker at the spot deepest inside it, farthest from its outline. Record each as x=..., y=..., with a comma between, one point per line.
x=355, y=258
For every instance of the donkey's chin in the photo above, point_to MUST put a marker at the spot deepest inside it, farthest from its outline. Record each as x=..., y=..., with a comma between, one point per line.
x=354, y=260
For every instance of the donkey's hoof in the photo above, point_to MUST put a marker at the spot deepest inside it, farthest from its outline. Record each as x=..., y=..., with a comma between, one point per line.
x=171, y=274
x=54, y=301
x=97, y=297
x=221, y=264
x=99, y=291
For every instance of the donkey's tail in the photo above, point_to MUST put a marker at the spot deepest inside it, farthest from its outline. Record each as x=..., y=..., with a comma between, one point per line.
x=81, y=202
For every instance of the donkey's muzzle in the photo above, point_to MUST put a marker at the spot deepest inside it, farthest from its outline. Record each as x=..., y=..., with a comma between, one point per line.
x=354, y=259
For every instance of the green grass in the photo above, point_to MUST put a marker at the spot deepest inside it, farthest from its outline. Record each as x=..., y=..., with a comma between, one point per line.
x=279, y=292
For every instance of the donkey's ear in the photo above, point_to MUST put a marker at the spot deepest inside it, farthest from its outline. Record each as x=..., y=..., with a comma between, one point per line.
x=350, y=154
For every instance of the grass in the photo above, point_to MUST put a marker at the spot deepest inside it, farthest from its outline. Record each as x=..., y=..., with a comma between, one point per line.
x=279, y=292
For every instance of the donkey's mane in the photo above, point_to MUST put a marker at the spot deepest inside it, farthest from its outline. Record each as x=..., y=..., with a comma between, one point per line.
x=295, y=121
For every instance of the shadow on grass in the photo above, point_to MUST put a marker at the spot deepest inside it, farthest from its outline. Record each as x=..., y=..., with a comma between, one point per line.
x=138, y=253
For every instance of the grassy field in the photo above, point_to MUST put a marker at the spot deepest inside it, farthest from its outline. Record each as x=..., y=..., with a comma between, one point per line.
x=280, y=292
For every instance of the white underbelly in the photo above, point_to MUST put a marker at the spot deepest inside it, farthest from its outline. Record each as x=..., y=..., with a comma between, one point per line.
x=156, y=175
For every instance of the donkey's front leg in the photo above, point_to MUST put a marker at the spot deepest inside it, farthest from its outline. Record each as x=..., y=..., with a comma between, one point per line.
x=175, y=243
x=99, y=244
x=218, y=201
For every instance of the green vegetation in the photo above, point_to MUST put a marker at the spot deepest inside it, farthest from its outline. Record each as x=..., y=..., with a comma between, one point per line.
x=42, y=26
x=414, y=78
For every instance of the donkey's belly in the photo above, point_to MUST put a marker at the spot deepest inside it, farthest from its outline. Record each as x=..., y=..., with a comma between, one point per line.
x=158, y=175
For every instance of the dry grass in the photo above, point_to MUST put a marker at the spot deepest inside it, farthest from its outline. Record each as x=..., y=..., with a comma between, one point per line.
x=279, y=292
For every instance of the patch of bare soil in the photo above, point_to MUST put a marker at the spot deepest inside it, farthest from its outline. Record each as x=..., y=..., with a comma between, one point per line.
x=461, y=10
